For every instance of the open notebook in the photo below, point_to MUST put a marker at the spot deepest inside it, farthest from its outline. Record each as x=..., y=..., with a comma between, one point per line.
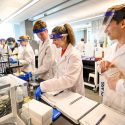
x=53, y=98
x=72, y=105
x=112, y=116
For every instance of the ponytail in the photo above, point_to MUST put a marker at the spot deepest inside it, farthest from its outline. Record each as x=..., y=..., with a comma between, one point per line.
x=71, y=36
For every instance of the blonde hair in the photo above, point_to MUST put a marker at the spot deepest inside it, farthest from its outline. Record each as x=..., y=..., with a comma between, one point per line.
x=119, y=14
x=66, y=29
x=24, y=37
x=117, y=7
x=39, y=24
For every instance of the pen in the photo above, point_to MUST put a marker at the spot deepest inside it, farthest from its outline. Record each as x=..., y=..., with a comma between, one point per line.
x=58, y=93
x=75, y=100
x=98, y=122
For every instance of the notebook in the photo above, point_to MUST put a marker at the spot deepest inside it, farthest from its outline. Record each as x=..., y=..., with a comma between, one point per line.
x=112, y=116
x=77, y=109
x=73, y=105
x=52, y=98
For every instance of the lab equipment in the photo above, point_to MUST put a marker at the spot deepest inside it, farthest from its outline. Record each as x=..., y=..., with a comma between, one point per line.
x=8, y=64
x=3, y=64
x=90, y=67
x=8, y=87
x=40, y=113
x=19, y=96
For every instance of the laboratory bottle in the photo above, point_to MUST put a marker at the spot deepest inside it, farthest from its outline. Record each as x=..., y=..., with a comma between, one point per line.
x=19, y=96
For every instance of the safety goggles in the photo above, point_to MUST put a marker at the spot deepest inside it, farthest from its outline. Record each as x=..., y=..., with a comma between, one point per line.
x=57, y=36
x=110, y=15
x=40, y=30
x=107, y=19
x=21, y=40
x=105, y=23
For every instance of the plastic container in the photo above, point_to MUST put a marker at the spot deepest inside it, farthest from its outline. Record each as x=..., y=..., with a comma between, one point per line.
x=19, y=96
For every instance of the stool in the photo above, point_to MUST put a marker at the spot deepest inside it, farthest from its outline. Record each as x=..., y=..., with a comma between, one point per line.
x=91, y=75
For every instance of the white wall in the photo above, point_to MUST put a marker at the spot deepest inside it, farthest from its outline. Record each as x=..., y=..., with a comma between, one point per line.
x=6, y=30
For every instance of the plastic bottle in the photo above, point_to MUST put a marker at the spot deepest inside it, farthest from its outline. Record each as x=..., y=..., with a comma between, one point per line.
x=19, y=96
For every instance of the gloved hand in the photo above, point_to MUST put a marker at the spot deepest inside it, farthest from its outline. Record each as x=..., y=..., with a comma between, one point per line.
x=56, y=113
x=12, y=60
x=38, y=93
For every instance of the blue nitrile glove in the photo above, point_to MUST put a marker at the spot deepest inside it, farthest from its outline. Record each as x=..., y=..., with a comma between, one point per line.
x=30, y=74
x=38, y=93
x=11, y=59
x=56, y=114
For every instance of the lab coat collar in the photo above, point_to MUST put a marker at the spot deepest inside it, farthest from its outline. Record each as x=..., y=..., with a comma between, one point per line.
x=120, y=51
x=43, y=44
x=68, y=50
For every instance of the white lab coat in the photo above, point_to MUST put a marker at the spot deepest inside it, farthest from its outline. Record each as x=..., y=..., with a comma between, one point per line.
x=27, y=58
x=3, y=49
x=13, y=54
x=116, y=99
x=69, y=73
x=46, y=61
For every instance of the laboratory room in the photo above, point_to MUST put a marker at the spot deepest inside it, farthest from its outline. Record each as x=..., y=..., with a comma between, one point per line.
x=62, y=62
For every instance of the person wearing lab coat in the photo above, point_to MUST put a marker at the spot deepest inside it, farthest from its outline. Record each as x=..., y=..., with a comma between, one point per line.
x=69, y=73
x=26, y=55
x=114, y=91
x=3, y=46
x=12, y=48
x=46, y=59
x=81, y=46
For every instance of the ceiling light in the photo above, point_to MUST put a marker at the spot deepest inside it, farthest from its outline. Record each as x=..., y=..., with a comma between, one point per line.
x=85, y=19
x=59, y=7
x=21, y=10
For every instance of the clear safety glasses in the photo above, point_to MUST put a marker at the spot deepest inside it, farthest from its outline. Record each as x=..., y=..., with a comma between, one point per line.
x=107, y=20
x=105, y=23
x=20, y=40
x=57, y=36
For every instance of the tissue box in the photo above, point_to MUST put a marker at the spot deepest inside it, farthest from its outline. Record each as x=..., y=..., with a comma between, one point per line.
x=39, y=113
